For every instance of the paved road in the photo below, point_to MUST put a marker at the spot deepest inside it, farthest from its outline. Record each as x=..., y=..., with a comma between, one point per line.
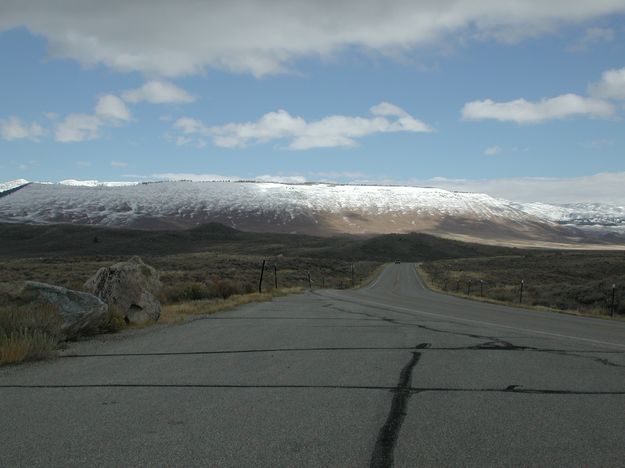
x=387, y=374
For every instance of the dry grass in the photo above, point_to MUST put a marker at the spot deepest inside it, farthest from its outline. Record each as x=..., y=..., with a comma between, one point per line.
x=585, y=312
x=28, y=333
x=176, y=313
x=26, y=345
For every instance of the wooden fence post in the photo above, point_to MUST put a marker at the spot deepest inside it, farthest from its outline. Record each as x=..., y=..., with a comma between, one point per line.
x=260, y=282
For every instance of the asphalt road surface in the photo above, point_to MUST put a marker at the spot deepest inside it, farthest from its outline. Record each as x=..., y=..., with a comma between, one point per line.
x=388, y=374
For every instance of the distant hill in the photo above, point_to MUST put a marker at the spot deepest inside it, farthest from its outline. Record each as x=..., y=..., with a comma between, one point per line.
x=315, y=209
x=22, y=240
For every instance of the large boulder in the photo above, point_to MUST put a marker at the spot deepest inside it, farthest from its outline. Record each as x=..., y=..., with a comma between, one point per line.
x=130, y=288
x=80, y=312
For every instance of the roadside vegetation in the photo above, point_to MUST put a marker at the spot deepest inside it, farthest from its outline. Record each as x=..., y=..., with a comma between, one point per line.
x=181, y=311
x=28, y=333
x=213, y=268
x=575, y=282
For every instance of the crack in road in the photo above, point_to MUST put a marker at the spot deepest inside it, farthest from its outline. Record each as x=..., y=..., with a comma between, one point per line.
x=493, y=343
x=488, y=346
x=372, y=316
x=510, y=389
x=382, y=455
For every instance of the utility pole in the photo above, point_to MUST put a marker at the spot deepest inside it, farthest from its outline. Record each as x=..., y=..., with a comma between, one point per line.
x=260, y=282
x=613, y=297
x=309, y=281
x=521, y=292
x=275, y=275
x=481, y=288
x=457, y=285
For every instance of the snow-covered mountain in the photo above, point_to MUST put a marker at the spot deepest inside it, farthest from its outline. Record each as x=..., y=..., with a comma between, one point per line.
x=96, y=183
x=579, y=214
x=322, y=209
x=12, y=185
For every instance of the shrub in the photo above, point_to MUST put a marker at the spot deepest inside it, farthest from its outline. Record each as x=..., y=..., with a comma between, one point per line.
x=114, y=321
x=25, y=345
x=186, y=291
x=196, y=291
x=28, y=333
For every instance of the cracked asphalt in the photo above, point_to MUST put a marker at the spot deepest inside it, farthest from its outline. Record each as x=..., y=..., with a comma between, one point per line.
x=391, y=374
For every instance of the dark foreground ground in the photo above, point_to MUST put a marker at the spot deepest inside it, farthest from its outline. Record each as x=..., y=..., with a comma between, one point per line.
x=389, y=373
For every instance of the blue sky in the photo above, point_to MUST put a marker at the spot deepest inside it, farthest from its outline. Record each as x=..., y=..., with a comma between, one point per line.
x=464, y=95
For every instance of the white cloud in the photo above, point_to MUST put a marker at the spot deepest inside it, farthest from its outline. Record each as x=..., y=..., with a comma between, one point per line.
x=523, y=111
x=189, y=126
x=78, y=127
x=332, y=131
x=187, y=36
x=14, y=129
x=109, y=111
x=492, y=151
x=118, y=164
x=158, y=92
x=611, y=86
x=593, y=36
x=112, y=108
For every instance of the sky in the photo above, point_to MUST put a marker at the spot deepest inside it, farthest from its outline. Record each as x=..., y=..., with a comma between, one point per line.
x=519, y=99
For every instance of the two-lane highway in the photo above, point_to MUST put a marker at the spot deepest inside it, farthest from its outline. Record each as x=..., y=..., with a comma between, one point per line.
x=391, y=373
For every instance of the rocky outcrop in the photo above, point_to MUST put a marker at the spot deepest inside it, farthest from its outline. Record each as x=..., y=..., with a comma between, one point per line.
x=80, y=312
x=130, y=288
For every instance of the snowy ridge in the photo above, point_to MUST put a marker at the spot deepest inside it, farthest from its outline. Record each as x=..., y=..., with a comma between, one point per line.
x=12, y=184
x=95, y=183
x=119, y=204
x=290, y=207
x=578, y=214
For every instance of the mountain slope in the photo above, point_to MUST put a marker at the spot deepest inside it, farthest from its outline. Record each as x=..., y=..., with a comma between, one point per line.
x=319, y=209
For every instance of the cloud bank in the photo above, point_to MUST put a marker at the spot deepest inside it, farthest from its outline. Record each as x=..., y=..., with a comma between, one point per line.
x=329, y=132
x=527, y=112
x=611, y=86
x=109, y=111
x=158, y=92
x=14, y=129
x=266, y=37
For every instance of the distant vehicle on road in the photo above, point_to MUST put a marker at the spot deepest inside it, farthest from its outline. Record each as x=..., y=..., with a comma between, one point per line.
x=397, y=262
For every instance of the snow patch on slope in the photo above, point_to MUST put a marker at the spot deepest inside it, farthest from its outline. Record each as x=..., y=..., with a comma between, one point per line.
x=120, y=204
x=12, y=184
x=123, y=203
x=95, y=183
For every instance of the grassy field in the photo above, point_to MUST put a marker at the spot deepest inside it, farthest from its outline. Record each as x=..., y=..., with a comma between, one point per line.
x=213, y=268
x=573, y=281
x=32, y=241
x=212, y=261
